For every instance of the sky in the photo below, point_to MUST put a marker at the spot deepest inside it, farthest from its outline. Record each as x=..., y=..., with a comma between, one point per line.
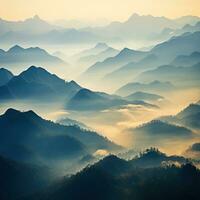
x=96, y=9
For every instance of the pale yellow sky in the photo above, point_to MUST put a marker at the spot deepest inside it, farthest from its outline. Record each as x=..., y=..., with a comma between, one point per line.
x=95, y=9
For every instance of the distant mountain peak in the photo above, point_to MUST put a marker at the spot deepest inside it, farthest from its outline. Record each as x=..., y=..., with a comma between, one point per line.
x=101, y=45
x=36, y=17
x=15, y=48
x=126, y=51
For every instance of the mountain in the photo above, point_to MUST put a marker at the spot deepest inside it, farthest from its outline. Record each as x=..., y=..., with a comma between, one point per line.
x=129, y=71
x=17, y=55
x=37, y=83
x=5, y=76
x=190, y=60
x=37, y=31
x=157, y=127
x=99, y=57
x=144, y=97
x=181, y=76
x=124, y=181
x=98, y=48
x=180, y=45
x=188, y=117
x=32, y=25
x=55, y=36
x=19, y=179
x=100, y=69
x=87, y=100
x=188, y=27
x=156, y=132
x=154, y=87
x=190, y=19
x=160, y=55
x=193, y=151
x=141, y=27
x=28, y=137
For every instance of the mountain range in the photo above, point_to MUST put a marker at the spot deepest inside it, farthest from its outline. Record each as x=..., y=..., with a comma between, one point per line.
x=125, y=180
x=27, y=137
x=99, y=57
x=187, y=60
x=37, y=83
x=156, y=133
x=17, y=55
x=152, y=87
x=142, y=27
x=189, y=117
x=180, y=76
x=87, y=100
x=135, y=28
x=128, y=64
x=100, y=69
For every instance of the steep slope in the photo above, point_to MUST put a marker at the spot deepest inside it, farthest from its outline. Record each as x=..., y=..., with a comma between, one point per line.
x=5, y=76
x=44, y=140
x=30, y=56
x=100, y=69
x=129, y=71
x=180, y=45
x=37, y=83
x=189, y=117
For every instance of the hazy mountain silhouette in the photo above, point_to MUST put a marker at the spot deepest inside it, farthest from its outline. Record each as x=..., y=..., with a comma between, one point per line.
x=154, y=87
x=99, y=57
x=169, y=32
x=125, y=66
x=126, y=181
x=100, y=69
x=5, y=76
x=189, y=117
x=180, y=76
x=31, y=25
x=131, y=70
x=159, y=129
x=190, y=60
x=98, y=48
x=180, y=45
x=158, y=133
x=141, y=27
x=87, y=100
x=44, y=140
x=144, y=96
x=37, y=83
x=55, y=36
x=17, y=55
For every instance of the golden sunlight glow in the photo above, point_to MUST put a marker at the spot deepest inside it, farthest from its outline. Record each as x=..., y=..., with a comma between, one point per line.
x=96, y=9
